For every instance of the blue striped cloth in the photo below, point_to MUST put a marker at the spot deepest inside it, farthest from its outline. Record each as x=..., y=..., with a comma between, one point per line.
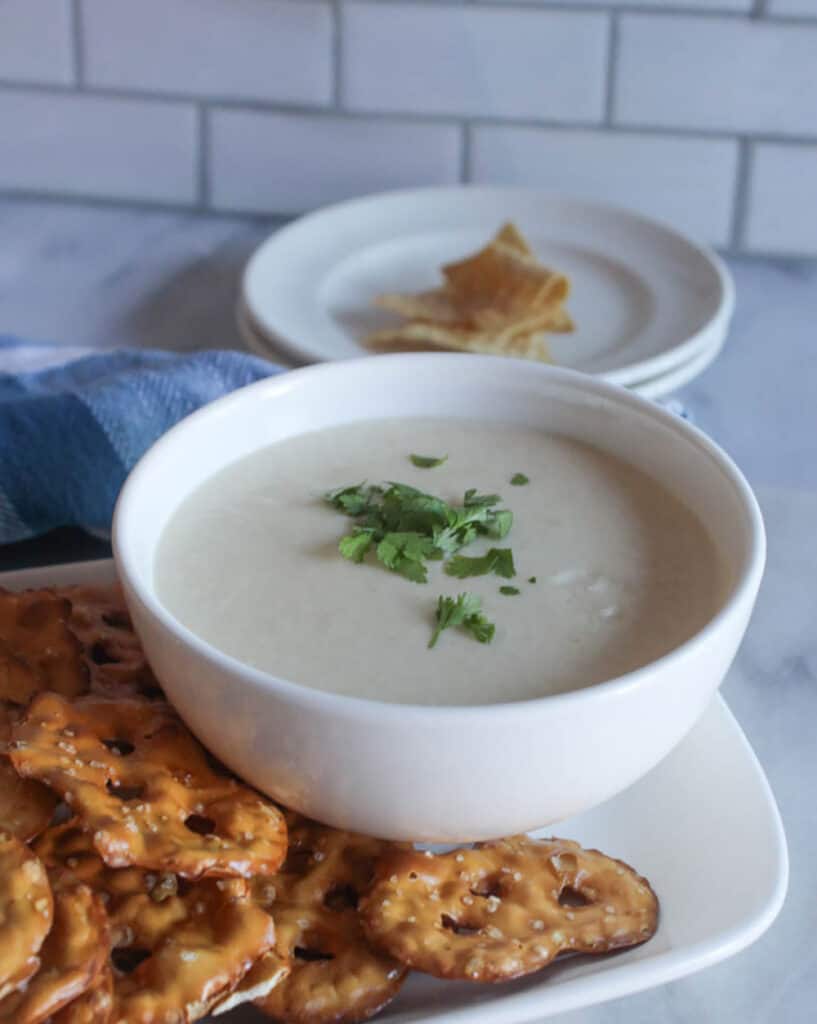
x=69, y=433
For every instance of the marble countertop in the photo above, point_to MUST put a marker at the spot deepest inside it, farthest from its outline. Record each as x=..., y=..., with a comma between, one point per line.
x=82, y=274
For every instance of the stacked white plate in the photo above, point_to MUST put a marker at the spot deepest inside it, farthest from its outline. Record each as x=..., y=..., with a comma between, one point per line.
x=651, y=307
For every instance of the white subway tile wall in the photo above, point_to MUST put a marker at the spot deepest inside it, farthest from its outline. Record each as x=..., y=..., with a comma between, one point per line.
x=688, y=182
x=289, y=163
x=95, y=146
x=36, y=41
x=737, y=75
x=271, y=50
x=479, y=62
x=782, y=207
x=699, y=112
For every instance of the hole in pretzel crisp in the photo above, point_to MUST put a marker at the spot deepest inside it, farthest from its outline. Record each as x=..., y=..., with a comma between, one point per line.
x=124, y=793
x=200, y=824
x=341, y=897
x=457, y=927
x=490, y=886
x=117, y=618
x=297, y=862
x=100, y=655
x=570, y=897
x=310, y=956
x=120, y=747
x=126, y=960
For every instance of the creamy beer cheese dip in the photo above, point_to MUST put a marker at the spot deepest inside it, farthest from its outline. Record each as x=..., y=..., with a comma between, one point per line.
x=624, y=571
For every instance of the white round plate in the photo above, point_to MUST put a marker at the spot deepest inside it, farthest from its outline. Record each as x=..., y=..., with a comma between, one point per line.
x=653, y=387
x=645, y=299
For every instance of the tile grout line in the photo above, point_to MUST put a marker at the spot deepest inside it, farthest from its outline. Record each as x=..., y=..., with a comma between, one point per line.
x=466, y=143
x=77, y=48
x=612, y=66
x=740, y=214
x=336, y=54
x=203, y=161
x=159, y=99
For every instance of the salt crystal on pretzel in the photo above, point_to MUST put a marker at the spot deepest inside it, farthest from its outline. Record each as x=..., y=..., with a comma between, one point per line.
x=26, y=912
x=111, y=650
x=336, y=975
x=505, y=908
x=37, y=649
x=142, y=785
x=179, y=947
x=71, y=957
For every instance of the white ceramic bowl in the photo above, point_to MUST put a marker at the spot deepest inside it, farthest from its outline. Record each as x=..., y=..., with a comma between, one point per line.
x=438, y=773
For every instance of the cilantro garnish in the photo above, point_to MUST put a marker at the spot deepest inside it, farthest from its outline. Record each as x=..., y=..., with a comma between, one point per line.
x=466, y=611
x=407, y=527
x=497, y=560
x=519, y=480
x=509, y=591
x=427, y=461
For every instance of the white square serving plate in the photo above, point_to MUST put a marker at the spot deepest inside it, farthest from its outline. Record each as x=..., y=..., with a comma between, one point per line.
x=703, y=827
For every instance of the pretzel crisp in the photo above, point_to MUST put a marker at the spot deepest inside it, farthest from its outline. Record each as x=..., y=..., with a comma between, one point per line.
x=71, y=957
x=26, y=912
x=26, y=806
x=37, y=649
x=178, y=947
x=142, y=784
x=94, y=1006
x=111, y=651
x=505, y=908
x=336, y=975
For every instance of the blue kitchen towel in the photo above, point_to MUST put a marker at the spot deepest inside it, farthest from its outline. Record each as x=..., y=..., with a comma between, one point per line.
x=70, y=433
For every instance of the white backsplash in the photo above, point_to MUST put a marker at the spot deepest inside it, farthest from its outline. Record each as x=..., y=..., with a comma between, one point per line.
x=701, y=112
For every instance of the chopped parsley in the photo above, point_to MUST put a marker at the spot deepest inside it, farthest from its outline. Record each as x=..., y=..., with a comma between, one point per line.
x=465, y=610
x=519, y=480
x=497, y=560
x=407, y=527
x=509, y=591
x=427, y=461
x=531, y=579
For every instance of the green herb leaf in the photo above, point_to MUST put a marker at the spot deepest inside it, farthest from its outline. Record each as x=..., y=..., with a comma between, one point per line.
x=405, y=553
x=355, y=545
x=509, y=591
x=466, y=611
x=427, y=461
x=353, y=500
x=531, y=579
x=496, y=560
x=499, y=524
x=519, y=480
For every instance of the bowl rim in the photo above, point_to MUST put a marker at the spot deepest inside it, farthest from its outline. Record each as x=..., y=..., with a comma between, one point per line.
x=743, y=589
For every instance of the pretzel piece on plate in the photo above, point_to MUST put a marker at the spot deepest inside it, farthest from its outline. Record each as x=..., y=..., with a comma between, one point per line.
x=179, y=947
x=95, y=1006
x=37, y=649
x=337, y=976
x=71, y=957
x=505, y=908
x=142, y=785
x=111, y=650
x=26, y=806
x=26, y=912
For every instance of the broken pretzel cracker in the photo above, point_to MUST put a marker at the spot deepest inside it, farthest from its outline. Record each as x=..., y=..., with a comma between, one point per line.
x=37, y=649
x=71, y=957
x=26, y=912
x=337, y=977
x=111, y=650
x=179, y=947
x=142, y=785
x=505, y=908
